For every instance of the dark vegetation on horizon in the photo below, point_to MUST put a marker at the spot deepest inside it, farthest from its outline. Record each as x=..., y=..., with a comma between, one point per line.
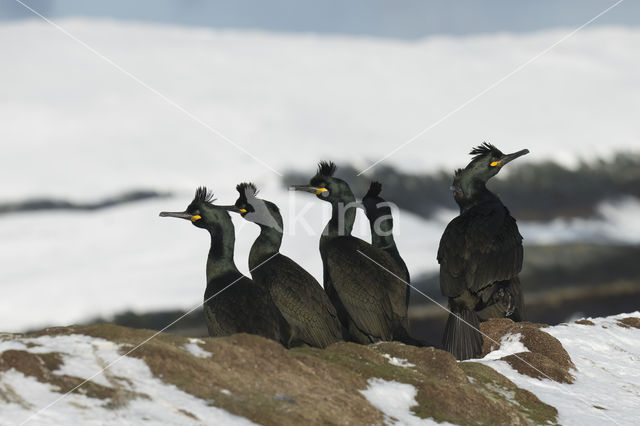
x=533, y=191
x=39, y=204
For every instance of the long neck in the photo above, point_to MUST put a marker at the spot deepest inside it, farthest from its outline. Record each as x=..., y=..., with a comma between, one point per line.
x=343, y=216
x=382, y=234
x=220, y=260
x=475, y=192
x=266, y=245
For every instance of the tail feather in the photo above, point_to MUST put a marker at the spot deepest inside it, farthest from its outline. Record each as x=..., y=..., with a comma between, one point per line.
x=461, y=335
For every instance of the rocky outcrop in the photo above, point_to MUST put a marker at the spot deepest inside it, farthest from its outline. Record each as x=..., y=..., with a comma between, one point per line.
x=259, y=380
x=545, y=357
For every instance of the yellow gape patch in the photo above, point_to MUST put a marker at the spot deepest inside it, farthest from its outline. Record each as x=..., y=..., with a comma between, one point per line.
x=321, y=190
x=195, y=217
x=243, y=210
x=495, y=163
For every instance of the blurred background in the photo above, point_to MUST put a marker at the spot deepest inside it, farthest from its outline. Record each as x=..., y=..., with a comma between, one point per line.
x=113, y=111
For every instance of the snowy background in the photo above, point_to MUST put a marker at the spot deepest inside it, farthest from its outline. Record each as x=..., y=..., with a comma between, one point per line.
x=74, y=127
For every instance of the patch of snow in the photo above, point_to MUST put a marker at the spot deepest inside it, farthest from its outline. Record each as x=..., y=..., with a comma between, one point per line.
x=400, y=362
x=84, y=356
x=509, y=344
x=225, y=391
x=6, y=345
x=395, y=400
x=193, y=347
x=509, y=395
x=607, y=378
x=83, y=349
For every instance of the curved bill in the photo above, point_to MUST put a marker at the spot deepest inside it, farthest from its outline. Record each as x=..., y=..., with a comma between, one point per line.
x=179, y=215
x=510, y=157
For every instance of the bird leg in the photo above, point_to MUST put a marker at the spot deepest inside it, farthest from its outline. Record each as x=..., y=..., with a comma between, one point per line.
x=501, y=304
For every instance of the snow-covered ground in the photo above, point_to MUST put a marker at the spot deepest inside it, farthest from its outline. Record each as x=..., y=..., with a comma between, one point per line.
x=395, y=400
x=607, y=378
x=605, y=390
x=74, y=126
x=84, y=356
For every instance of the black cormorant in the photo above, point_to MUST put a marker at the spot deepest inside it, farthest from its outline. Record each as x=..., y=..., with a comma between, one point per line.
x=371, y=302
x=312, y=318
x=233, y=302
x=381, y=223
x=480, y=255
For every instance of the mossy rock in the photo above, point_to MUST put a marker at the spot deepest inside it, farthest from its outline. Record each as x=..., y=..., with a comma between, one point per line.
x=629, y=322
x=260, y=380
x=546, y=358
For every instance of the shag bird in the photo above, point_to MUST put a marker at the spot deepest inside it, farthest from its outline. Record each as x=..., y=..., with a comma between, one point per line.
x=381, y=223
x=312, y=318
x=233, y=302
x=480, y=255
x=370, y=301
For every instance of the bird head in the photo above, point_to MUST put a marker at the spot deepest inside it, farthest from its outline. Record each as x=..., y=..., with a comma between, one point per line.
x=378, y=210
x=202, y=212
x=374, y=205
x=325, y=186
x=486, y=163
x=255, y=209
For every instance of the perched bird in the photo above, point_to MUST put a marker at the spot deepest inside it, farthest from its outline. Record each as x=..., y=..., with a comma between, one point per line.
x=370, y=301
x=381, y=223
x=233, y=303
x=480, y=255
x=312, y=318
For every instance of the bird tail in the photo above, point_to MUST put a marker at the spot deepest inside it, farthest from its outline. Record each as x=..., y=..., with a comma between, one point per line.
x=461, y=336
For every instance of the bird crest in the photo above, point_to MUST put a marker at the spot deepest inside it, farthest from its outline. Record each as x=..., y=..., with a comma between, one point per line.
x=246, y=190
x=203, y=195
x=326, y=168
x=485, y=149
x=374, y=189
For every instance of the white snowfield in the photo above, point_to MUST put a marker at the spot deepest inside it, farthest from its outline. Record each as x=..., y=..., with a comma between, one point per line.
x=607, y=375
x=75, y=127
x=605, y=390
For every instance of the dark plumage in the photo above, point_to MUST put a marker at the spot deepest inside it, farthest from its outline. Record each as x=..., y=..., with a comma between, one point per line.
x=243, y=306
x=378, y=212
x=365, y=296
x=312, y=318
x=480, y=255
x=381, y=223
